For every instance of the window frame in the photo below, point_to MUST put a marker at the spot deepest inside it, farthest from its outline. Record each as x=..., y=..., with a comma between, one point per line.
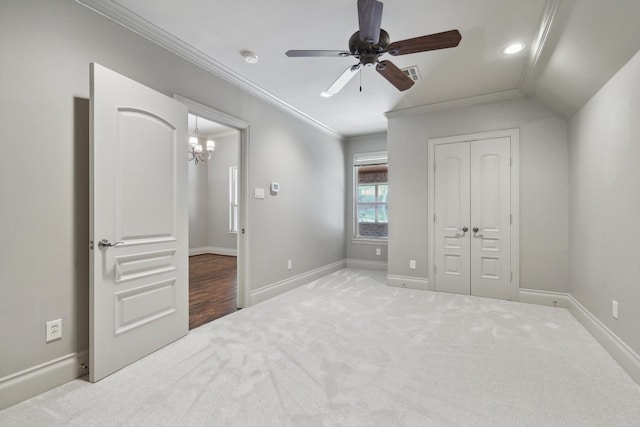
x=368, y=159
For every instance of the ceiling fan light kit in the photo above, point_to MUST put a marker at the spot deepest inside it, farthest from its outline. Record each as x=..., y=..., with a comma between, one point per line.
x=370, y=42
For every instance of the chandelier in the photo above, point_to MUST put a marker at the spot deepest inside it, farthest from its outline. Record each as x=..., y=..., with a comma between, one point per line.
x=196, y=151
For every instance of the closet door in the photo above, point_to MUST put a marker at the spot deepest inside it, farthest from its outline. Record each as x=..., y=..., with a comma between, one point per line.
x=452, y=214
x=472, y=206
x=491, y=218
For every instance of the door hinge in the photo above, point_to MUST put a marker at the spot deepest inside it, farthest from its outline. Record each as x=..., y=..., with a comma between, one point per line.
x=510, y=162
x=434, y=218
x=510, y=219
x=512, y=276
x=434, y=166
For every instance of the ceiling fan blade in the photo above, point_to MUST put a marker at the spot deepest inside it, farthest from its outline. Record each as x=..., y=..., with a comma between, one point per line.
x=343, y=80
x=436, y=41
x=310, y=53
x=395, y=75
x=369, y=18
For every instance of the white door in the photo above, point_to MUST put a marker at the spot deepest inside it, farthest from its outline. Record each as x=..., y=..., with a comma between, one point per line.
x=472, y=218
x=139, y=273
x=452, y=214
x=490, y=218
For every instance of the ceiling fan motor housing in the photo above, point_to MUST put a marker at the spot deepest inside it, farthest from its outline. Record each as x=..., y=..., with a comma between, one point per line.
x=368, y=53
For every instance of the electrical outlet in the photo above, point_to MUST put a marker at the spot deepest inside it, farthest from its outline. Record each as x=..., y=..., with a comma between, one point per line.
x=378, y=251
x=412, y=264
x=289, y=264
x=614, y=309
x=53, y=330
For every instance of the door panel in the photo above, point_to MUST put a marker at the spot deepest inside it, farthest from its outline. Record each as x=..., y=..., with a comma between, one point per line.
x=139, y=287
x=490, y=213
x=452, y=214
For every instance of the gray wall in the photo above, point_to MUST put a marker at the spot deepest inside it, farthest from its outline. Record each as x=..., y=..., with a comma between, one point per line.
x=46, y=47
x=543, y=185
x=363, y=251
x=605, y=203
x=209, y=196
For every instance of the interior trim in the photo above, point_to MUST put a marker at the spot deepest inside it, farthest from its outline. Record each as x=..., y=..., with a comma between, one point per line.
x=457, y=103
x=135, y=23
x=37, y=379
x=277, y=288
x=552, y=23
x=213, y=250
x=408, y=282
x=613, y=344
x=366, y=264
x=243, y=252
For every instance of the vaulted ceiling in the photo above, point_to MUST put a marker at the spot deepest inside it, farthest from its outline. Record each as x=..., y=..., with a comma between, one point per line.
x=573, y=48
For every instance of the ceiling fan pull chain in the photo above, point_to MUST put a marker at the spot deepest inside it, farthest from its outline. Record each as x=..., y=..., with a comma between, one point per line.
x=360, y=79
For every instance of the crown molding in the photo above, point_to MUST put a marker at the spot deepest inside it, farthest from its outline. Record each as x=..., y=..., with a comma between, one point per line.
x=458, y=103
x=135, y=23
x=554, y=16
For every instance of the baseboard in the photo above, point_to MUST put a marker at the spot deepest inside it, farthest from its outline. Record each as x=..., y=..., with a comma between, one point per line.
x=367, y=265
x=408, y=282
x=213, y=250
x=618, y=349
x=553, y=299
x=275, y=289
x=624, y=355
x=30, y=382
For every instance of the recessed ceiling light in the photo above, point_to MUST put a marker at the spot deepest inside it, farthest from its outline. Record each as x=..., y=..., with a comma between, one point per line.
x=325, y=94
x=514, y=48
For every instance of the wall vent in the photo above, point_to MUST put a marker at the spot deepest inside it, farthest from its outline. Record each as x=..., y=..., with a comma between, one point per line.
x=412, y=72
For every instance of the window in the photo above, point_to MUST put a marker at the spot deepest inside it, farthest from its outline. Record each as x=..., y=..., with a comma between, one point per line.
x=233, y=199
x=371, y=195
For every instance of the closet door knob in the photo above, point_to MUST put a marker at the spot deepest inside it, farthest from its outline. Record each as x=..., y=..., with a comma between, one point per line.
x=476, y=229
x=464, y=229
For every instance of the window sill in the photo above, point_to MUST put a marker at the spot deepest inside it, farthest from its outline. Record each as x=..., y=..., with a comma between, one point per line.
x=370, y=241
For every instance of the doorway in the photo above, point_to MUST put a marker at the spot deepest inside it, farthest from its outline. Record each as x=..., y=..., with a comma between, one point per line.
x=473, y=201
x=214, y=153
x=240, y=176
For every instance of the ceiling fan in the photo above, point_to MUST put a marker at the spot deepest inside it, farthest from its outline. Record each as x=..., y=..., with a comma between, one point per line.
x=371, y=42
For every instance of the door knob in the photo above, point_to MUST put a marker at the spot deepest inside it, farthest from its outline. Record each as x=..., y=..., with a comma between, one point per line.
x=464, y=229
x=476, y=229
x=104, y=243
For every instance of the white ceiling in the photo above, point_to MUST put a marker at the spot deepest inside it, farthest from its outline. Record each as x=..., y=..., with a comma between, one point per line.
x=574, y=47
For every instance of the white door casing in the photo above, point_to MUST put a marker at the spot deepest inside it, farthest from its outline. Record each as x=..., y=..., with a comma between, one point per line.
x=484, y=196
x=210, y=113
x=138, y=203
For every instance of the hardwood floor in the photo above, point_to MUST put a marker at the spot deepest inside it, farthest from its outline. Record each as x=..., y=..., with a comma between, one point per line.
x=212, y=288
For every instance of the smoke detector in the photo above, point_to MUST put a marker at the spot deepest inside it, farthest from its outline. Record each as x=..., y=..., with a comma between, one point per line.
x=249, y=57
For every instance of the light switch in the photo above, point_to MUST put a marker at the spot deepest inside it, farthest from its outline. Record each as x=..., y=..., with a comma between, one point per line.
x=259, y=193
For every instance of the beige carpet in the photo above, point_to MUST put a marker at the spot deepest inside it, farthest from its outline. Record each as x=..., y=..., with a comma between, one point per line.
x=346, y=350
